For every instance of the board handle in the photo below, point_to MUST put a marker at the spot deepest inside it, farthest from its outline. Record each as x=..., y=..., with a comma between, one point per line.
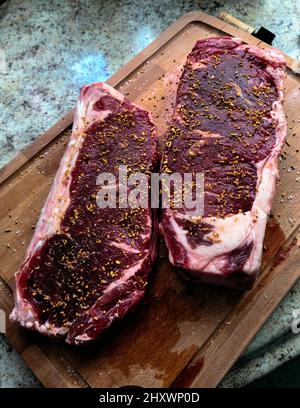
x=228, y=18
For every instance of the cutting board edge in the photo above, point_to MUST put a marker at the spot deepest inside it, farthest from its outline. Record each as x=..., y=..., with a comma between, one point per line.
x=33, y=149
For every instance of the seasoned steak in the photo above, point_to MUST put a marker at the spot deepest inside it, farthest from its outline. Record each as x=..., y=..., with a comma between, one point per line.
x=87, y=266
x=229, y=125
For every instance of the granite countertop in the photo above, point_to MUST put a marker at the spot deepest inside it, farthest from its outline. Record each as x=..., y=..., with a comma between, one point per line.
x=49, y=49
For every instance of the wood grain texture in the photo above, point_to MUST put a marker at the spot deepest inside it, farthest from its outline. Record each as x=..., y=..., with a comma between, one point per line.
x=180, y=334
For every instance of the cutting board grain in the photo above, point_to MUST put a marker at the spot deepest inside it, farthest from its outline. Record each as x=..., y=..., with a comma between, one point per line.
x=180, y=335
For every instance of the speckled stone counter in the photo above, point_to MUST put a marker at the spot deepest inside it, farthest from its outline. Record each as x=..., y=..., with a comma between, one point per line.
x=50, y=48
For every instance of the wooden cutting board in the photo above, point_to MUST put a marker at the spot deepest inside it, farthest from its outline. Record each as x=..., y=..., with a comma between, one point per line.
x=181, y=334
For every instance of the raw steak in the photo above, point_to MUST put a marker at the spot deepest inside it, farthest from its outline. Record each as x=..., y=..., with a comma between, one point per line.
x=229, y=125
x=86, y=266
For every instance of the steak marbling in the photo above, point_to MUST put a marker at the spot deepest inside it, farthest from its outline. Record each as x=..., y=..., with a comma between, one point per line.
x=86, y=266
x=229, y=125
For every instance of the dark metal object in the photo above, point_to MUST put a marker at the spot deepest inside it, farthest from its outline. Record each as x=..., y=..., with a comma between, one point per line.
x=264, y=34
